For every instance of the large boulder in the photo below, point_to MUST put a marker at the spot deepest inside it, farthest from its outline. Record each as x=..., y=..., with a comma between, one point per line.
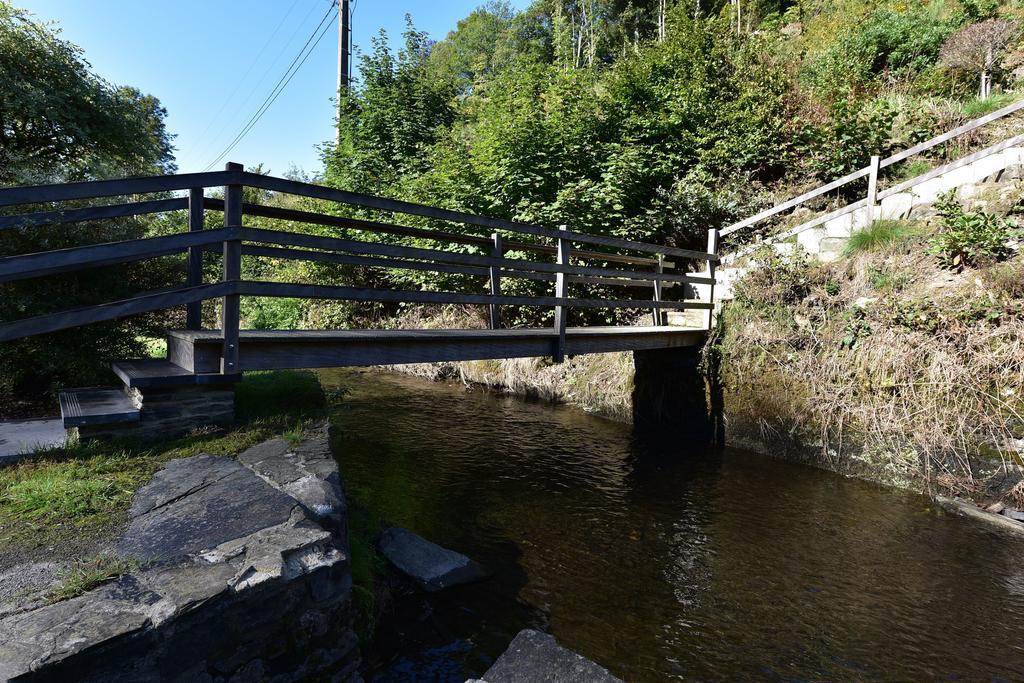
x=535, y=656
x=426, y=563
x=197, y=503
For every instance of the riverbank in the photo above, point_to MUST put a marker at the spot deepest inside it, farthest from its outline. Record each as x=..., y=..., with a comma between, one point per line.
x=885, y=365
x=65, y=505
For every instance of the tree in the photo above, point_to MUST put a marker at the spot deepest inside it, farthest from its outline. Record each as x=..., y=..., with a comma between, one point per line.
x=976, y=48
x=60, y=122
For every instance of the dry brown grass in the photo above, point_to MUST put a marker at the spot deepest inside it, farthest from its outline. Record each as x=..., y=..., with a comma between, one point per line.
x=920, y=385
x=601, y=384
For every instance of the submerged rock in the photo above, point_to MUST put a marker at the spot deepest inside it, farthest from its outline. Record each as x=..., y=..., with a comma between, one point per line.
x=428, y=564
x=536, y=656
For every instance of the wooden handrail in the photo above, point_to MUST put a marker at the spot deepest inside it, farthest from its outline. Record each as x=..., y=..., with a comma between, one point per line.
x=91, y=213
x=889, y=161
x=41, y=194
x=396, y=206
x=380, y=249
x=234, y=241
x=424, y=233
x=95, y=255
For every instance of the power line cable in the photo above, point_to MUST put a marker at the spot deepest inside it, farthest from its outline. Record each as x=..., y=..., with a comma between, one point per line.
x=238, y=84
x=282, y=83
x=266, y=72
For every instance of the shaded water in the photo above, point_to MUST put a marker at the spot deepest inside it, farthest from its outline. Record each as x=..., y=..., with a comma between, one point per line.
x=662, y=563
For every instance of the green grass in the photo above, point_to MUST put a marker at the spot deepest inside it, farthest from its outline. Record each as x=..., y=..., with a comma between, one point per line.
x=85, y=487
x=879, y=235
x=912, y=169
x=979, y=107
x=886, y=281
x=89, y=574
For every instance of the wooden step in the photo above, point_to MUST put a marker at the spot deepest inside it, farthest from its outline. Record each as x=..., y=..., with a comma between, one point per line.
x=157, y=372
x=82, y=407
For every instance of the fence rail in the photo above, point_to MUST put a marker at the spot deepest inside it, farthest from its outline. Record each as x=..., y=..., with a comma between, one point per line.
x=871, y=171
x=496, y=261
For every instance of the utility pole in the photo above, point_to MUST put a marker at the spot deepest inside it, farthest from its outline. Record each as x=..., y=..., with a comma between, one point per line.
x=344, y=54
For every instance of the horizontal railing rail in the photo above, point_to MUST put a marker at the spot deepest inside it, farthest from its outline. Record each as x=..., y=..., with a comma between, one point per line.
x=872, y=170
x=602, y=266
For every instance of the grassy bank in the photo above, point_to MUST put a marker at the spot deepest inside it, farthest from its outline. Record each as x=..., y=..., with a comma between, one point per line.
x=65, y=502
x=902, y=362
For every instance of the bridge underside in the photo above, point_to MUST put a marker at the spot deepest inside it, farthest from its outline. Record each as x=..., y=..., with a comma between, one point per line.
x=200, y=351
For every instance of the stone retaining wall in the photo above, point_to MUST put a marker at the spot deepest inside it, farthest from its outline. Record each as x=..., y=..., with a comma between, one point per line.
x=245, y=577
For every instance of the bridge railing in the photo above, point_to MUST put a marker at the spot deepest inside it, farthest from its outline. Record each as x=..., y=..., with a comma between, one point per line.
x=625, y=263
x=872, y=170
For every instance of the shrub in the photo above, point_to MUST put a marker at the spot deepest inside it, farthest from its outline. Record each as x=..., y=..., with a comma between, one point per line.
x=779, y=280
x=969, y=237
x=878, y=235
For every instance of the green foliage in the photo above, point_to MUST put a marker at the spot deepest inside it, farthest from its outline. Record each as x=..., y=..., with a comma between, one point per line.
x=879, y=235
x=969, y=238
x=927, y=316
x=888, y=40
x=60, y=122
x=856, y=327
x=778, y=279
x=886, y=280
x=979, y=106
x=76, y=488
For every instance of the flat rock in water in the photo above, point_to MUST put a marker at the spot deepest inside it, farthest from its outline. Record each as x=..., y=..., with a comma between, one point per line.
x=1012, y=514
x=430, y=565
x=198, y=503
x=535, y=656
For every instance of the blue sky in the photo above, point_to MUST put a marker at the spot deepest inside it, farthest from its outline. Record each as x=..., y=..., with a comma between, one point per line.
x=212, y=62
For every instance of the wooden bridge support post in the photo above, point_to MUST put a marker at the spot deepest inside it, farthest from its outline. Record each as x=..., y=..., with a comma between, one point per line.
x=713, y=237
x=230, y=307
x=659, y=317
x=562, y=292
x=497, y=252
x=194, y=310
x=872, y=198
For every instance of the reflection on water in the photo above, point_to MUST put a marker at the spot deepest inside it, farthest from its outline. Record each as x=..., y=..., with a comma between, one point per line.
x=662, y=563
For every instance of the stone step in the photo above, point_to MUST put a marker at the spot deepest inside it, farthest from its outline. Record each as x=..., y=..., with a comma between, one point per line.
x=157, y=372
x=693, y=319
x=84, y=407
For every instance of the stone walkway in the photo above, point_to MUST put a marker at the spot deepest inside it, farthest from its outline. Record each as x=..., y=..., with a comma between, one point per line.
x=20, y=438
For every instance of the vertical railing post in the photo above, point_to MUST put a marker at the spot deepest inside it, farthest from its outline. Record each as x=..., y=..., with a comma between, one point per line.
x=562, y=292
x=194, y=310
x=230, y=307
x=873, y=188
x=713, y=237
x=659, y=318
x=498, y=251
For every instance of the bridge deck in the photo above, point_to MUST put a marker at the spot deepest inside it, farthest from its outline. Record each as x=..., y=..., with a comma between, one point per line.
x=200, y=351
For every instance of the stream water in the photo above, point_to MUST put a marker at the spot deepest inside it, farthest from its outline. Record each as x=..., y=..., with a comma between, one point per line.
x=661, y=562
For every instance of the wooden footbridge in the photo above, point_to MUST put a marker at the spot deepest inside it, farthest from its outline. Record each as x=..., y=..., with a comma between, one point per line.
x=198, y=357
